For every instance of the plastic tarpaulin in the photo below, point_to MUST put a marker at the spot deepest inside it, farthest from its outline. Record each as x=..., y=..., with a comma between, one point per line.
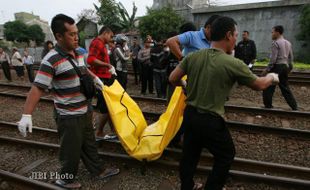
x=141, y=141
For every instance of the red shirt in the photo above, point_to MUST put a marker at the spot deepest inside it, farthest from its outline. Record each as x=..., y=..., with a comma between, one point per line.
x=97, y=50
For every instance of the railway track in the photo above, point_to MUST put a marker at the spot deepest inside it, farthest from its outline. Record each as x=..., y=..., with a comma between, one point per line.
x=8, y=91
x=242, y=169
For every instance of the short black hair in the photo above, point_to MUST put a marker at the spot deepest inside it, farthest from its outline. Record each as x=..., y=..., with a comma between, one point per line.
x=58, y=23
x=245, y=31
x=211, y=20
x=221, y=26
x=279, y=28
x=105, y=29
x=188, y=26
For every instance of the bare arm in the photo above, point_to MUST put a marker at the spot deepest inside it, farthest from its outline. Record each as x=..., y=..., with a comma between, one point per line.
x=290, y=58
x=176, y=76
x=262, y=83
x=33, y=98
x=174, y=45
x=121, y=55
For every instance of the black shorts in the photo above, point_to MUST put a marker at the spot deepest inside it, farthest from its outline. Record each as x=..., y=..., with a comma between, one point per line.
x=101, y=104
x=19, y=70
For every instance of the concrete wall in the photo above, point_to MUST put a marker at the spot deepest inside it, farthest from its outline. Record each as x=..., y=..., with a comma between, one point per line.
x=259, y=18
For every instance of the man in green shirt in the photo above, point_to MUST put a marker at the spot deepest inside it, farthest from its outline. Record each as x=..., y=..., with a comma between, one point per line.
x=211, y=74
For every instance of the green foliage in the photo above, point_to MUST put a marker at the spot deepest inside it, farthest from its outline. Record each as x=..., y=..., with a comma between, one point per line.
x=127, y=22
x=115, y=16
x=82, y=39
x=297, y=65
x=20, y=32
x=304, y=24
x=159, y=23
x=109, y=14
x=16, y=31
x=36, y=34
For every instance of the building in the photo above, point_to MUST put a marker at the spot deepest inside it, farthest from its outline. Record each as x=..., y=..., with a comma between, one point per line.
x=257, y=18
x=31, y=19
x=1, y=32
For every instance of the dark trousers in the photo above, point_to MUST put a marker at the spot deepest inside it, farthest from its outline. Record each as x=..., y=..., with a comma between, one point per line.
x=136, y=69
x=147, y=78
x=160, y=78
x=6, y=70
x=205, y=131
x=30, y=72
x=77, y=140
x=282, y=70
x=122, y=78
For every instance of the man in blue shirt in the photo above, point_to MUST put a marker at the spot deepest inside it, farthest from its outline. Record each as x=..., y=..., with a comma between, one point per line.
x=191, y=41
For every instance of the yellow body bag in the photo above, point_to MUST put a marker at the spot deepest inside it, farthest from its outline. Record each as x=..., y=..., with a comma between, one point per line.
x=141, y=141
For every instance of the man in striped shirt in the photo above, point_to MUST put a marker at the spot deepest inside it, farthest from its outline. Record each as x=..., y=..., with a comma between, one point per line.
x=72, y=110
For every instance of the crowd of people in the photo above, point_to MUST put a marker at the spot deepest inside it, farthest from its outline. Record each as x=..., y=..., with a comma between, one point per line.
x=205, y=56
x=20, y=62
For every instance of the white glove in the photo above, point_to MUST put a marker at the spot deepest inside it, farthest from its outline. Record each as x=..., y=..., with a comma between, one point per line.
x=112, y=70
x=183, y=83
x=98, y=83
x=275, y=77
x=250, y=65
x=25, y=122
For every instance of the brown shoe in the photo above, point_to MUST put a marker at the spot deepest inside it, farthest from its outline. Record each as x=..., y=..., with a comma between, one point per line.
x=197, y=186
x=73, y=185
x=108, y=172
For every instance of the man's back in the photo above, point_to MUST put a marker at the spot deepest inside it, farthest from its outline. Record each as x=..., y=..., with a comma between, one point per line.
x=211, y=73
x=284, y=51
x=193, y=41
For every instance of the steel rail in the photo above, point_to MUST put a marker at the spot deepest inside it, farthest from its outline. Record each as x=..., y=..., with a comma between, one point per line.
x=228, y=107
x=206, y=158
x=25, y=181
x=296, y=183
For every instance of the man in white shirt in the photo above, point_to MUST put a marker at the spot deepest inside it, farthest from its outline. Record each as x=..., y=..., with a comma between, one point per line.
x=17, y=63
x=28, y=61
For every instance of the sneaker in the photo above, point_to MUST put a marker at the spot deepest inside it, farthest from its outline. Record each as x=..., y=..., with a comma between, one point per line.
x=197, y=186
x=108, y=173
x=73, y=185
x=111, y=138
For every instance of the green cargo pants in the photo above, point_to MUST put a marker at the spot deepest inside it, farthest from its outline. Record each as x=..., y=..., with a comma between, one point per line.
x=77, y=140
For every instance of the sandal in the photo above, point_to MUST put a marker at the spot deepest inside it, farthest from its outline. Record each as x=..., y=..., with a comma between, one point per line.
x=197, y=186
x=108, y=173
x=73, y=185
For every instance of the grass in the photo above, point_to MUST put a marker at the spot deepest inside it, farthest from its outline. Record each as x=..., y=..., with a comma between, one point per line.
x=297, y=65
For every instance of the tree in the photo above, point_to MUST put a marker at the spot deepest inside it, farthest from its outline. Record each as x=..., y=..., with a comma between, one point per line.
x=20, y=32
x=36, y=34
x=159, y=23
x=109, y=14
x=115, y=16
x=89, y=14
x=127, y=22
x=304, y=24
x=16, y=31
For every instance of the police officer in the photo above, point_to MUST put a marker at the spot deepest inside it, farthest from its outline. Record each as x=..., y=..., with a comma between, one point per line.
x=246, y=50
